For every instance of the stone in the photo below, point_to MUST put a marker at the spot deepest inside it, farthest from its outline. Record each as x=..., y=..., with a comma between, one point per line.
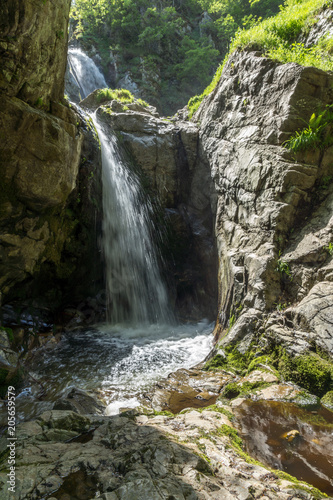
x=315, y=312
x=34, y=71
x=327, y=400
x=277, y=392
x=80, y=402
x=259, y=376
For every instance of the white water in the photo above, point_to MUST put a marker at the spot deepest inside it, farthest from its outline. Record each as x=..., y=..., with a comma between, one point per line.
x=119, y=364
x=135, y=290
x=85, y=72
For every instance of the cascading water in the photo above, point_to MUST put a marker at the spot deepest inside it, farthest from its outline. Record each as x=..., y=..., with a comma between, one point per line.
x=85, y=72
x=136, y=293
x=139, y=345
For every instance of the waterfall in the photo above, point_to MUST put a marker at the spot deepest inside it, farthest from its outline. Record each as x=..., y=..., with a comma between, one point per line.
x=85, y=72
x=135, y=289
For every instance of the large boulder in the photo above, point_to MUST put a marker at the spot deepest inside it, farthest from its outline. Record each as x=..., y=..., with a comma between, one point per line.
x=49, y=212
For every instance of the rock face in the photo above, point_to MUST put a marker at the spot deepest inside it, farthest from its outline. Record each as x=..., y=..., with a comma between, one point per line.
x=274, y=208
x=42, y=208
x=33, y=71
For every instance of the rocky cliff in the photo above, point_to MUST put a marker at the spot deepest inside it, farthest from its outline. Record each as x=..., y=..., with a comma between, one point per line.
x=274, y=209
x=42, y=240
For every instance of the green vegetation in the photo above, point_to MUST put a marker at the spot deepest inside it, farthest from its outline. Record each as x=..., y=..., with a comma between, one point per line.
x=9, y=333
x=277, y=37
x=172, y=48
x=121, y=95
x=317, y=135
x=226, y=430
x=283, y=268
x=327, y=400
x=216, y=408
x=310, y=371
x=235, y=390
x=233, y=360
x=329, y=249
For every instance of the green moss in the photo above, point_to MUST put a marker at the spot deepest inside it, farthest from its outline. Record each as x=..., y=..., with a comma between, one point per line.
x=327, y=400
x=164, y=413
x=143, y=103
x=216, y=363
x=9, y=332
x=235, y=390
x=257, y=363
x=233, y=360
x=226, y=430
x=310, y=371
x=218, y=409
x=303, y=486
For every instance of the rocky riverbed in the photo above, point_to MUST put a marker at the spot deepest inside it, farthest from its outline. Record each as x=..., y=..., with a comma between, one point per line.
x=184, y=442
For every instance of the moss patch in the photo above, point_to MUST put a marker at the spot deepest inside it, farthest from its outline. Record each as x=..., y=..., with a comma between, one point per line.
x=327, y=400
x=234, y=360
x=310, y=371
x=235, y=390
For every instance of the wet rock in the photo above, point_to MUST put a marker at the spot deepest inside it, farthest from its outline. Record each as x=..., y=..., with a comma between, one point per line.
x=34, y=71
x=259, y=376
x=262, y=190
x=290, y=436
x=278, y=392
x=79, y=402
x=188, y=388
x=315, y=312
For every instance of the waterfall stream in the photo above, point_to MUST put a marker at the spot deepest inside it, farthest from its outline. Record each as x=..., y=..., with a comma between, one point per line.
x=135, y=289
x=140, y=343
x=85, y=72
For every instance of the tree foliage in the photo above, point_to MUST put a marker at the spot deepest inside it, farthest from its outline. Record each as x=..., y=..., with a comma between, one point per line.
x=182, y=41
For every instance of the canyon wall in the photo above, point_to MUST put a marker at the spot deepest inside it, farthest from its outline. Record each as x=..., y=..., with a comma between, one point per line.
x=274, y=209
x=40, y=149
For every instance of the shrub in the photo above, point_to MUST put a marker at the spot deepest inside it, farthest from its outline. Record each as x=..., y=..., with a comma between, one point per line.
x=317, y=135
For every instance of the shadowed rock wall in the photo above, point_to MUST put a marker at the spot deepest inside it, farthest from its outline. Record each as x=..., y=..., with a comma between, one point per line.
x=48, y=227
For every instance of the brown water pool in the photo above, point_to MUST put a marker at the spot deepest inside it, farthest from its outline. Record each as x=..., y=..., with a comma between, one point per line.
x=307, y=453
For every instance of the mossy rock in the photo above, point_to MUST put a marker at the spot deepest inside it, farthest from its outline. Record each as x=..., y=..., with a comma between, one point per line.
x=327, y=400
x=311, y=372
x=234, y=390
